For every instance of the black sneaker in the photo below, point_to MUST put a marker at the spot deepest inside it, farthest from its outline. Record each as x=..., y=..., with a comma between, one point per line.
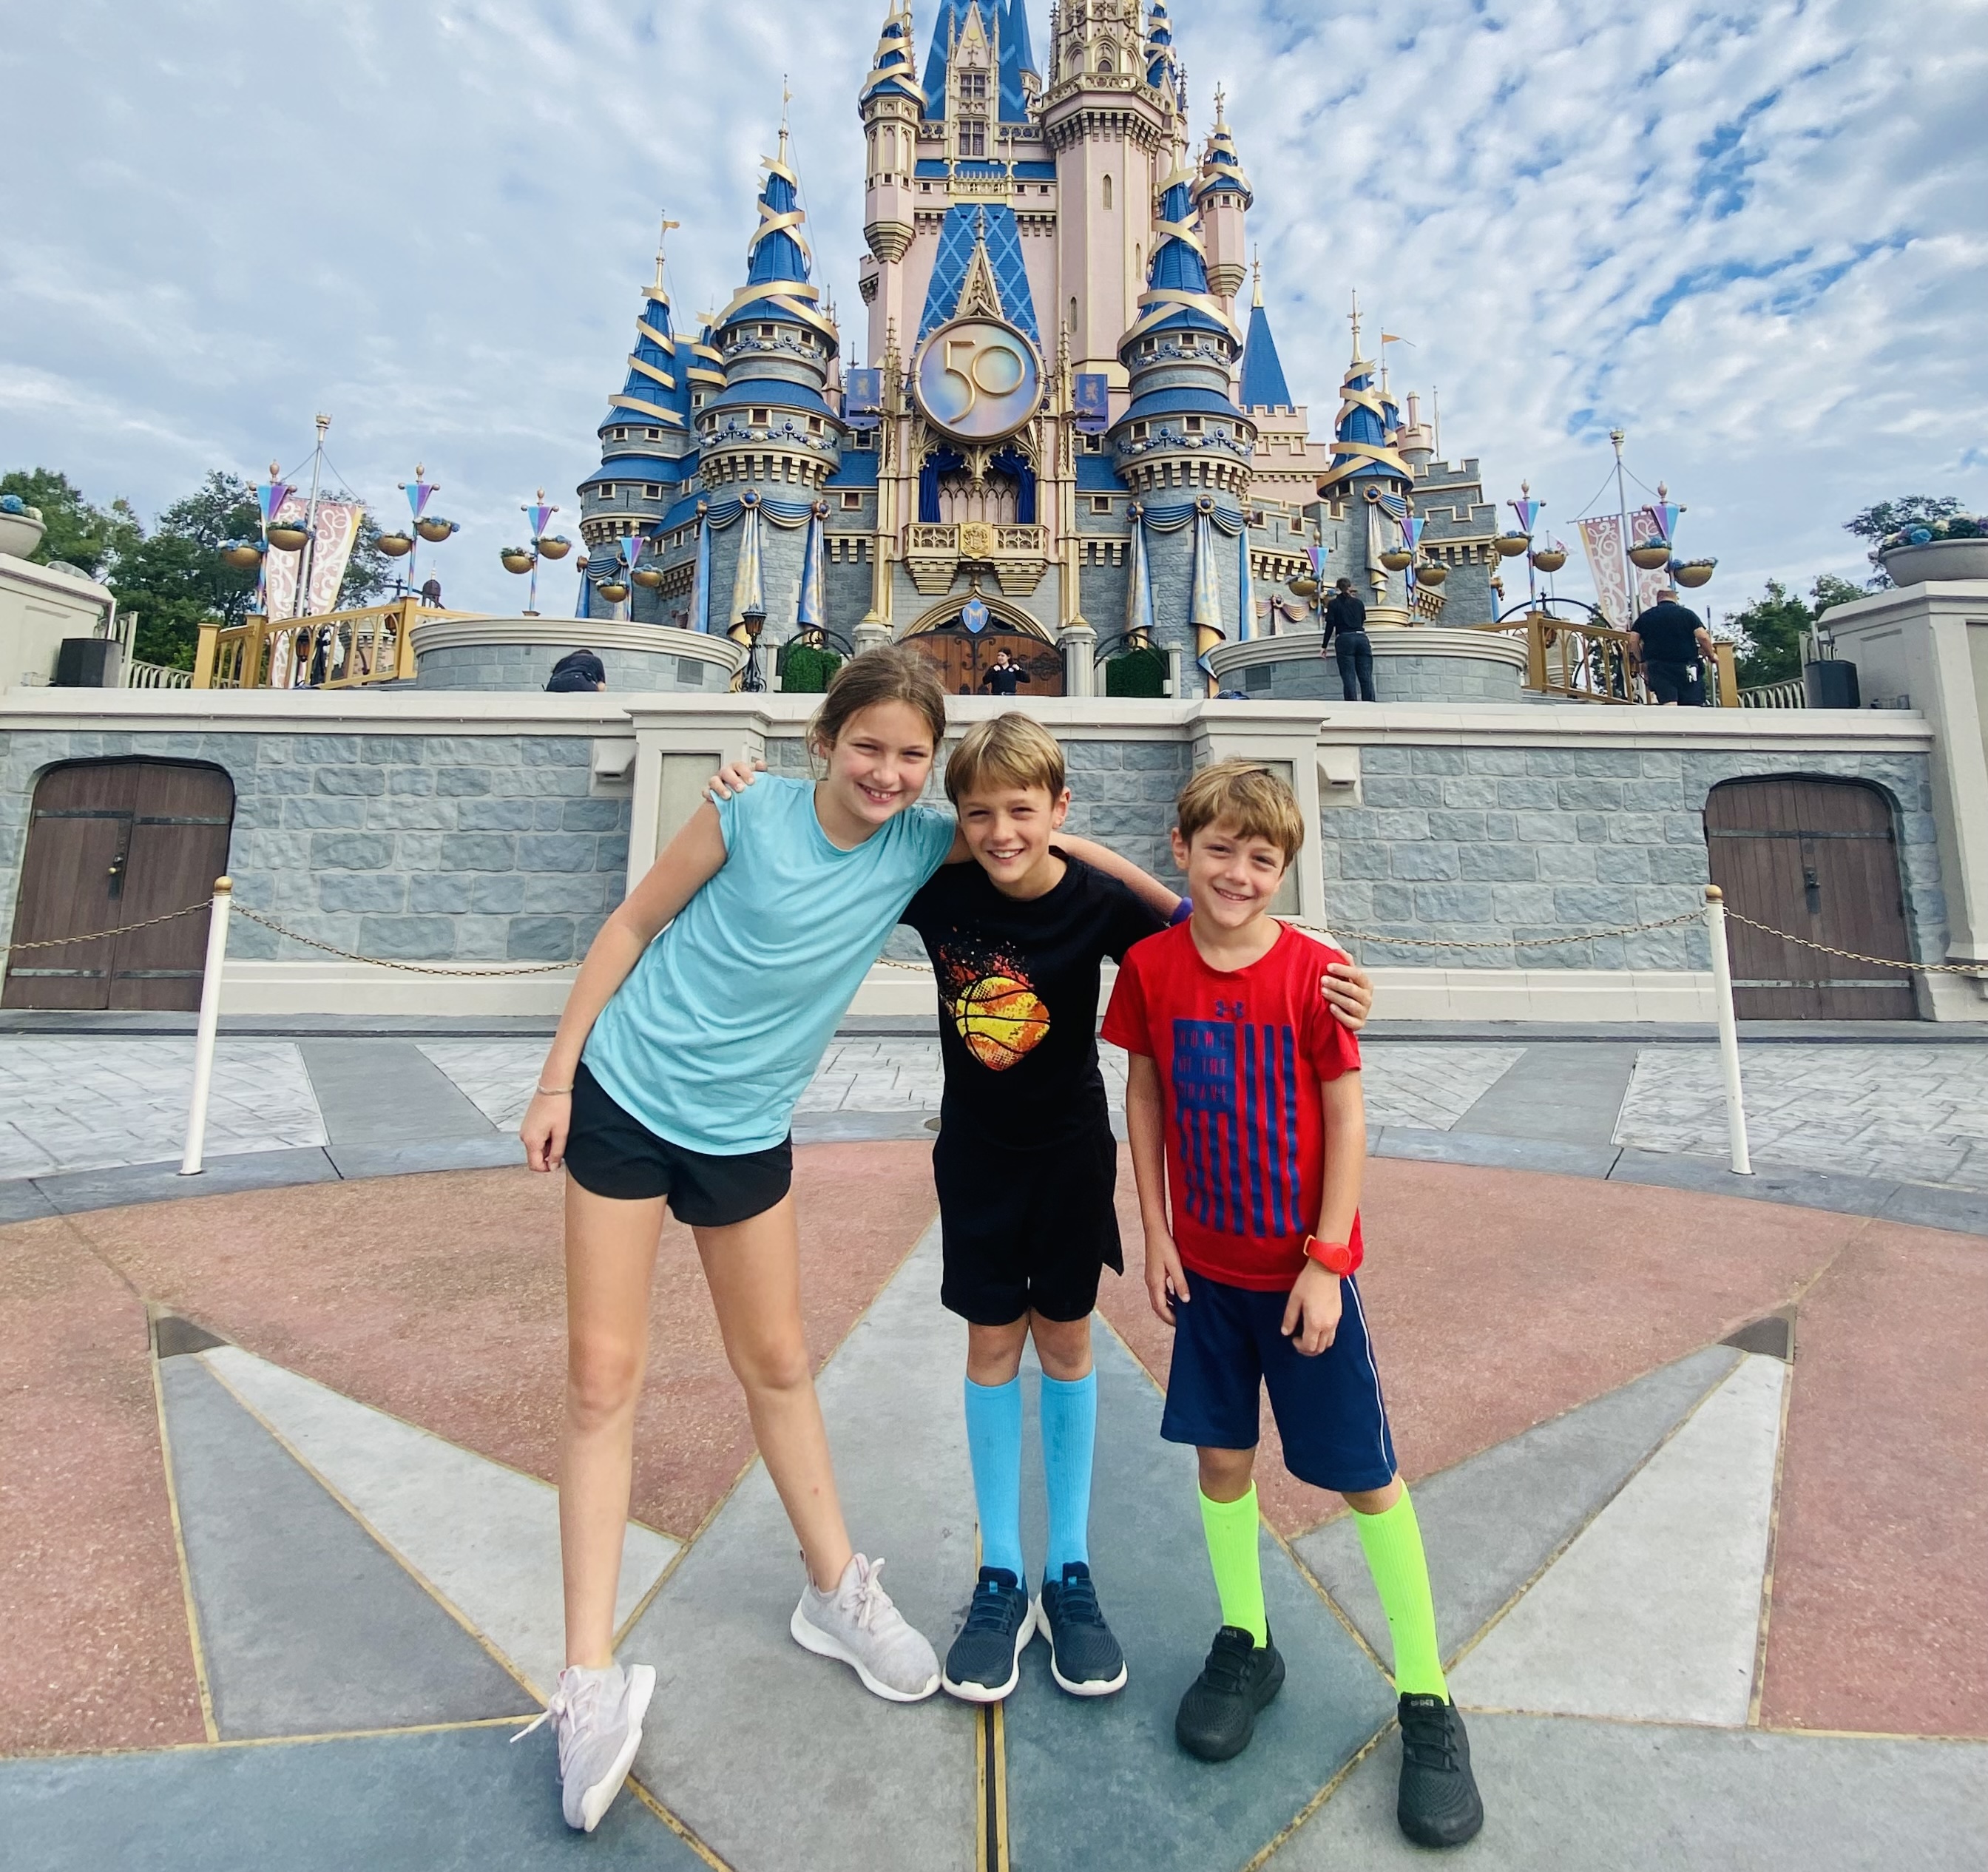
x=1218, y=1715
x=1438, y=1805
x=1084, y=1658
x=985, y=1663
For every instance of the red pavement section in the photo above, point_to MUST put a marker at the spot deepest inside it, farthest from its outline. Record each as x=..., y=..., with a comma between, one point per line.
x=97, y=1653
x=1498, y=1298
x=441, y=1298
x=1880, y=1607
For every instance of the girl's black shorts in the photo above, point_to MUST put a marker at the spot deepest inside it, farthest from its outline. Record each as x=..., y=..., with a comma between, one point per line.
x=609, y=1152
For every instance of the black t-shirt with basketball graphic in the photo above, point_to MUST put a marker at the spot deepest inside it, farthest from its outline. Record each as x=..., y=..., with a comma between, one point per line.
x=1018, y=997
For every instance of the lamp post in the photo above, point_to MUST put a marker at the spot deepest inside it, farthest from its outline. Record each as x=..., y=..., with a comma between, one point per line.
x=516, y=558
x=747, y=631
x=425, y=525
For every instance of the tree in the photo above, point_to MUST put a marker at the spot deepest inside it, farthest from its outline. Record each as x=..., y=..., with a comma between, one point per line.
x=1874, y=524
x=79, y=535
x=175, y=580
x=1772, y=628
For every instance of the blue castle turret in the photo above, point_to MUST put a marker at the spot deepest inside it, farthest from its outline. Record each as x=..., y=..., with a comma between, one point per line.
x=1369, y=483
x=1184, y=448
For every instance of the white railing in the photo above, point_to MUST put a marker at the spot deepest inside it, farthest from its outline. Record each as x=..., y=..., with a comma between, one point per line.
x=1790, y=694
x=156, y=676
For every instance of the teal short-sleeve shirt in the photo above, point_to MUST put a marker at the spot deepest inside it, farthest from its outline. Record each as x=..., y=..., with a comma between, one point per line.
x=713, y=1038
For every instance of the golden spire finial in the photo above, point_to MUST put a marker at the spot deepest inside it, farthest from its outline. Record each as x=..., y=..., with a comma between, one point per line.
x=662, y=239
x=1256, y=274
x=786, y=98
x=1221, y=105
x=1356, y=325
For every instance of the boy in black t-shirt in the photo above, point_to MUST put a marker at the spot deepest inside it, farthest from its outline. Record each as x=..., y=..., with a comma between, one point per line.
x=1026, y=1169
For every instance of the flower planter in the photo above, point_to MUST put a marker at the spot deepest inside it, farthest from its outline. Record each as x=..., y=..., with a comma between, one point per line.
x=1943, y=560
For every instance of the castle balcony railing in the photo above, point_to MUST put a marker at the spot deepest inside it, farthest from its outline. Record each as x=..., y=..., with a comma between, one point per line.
x=1579, y=660
x=1793, y=693
x=1017, y=556
x=363, y=647
x=156, y=676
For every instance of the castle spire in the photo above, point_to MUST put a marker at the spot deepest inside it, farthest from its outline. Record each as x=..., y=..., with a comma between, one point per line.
x=1264, y=386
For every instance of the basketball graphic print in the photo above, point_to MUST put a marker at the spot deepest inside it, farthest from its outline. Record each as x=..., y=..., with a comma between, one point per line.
x=1001, y=1019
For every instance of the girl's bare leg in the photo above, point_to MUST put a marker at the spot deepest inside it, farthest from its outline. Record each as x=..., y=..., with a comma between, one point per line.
x=754, y=1270
x=610, y=1257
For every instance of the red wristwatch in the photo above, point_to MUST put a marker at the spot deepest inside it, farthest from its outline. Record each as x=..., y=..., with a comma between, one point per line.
x=1340, y=1257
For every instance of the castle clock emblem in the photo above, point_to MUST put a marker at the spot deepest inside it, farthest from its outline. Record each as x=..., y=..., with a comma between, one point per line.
x=978, y=379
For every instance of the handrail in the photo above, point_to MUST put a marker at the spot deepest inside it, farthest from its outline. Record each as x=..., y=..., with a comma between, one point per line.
x=374, y=644
x=1582, y=662
x=1792, y=694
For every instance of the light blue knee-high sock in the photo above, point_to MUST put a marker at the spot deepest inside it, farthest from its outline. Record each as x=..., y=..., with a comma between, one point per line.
x=1070, y=1435
x=994, y=1442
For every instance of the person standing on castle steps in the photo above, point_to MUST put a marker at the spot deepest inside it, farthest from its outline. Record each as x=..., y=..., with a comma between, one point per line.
x=1027, y=1170
x=1671, y=642
x=699, y=1016
x=1248, y=1139
x=1345, y=619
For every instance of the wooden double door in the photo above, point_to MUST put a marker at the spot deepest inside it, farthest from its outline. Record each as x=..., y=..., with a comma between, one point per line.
x=112, y=842
x=964, y=659
x=1820, y=859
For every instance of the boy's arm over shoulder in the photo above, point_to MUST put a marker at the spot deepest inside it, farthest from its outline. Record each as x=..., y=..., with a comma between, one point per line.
x=1126, y=1024
x=1329, y=1043
x=1128, y=918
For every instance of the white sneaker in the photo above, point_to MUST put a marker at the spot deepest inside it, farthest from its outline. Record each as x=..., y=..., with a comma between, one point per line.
x=857, y=1624
x=597, y=1716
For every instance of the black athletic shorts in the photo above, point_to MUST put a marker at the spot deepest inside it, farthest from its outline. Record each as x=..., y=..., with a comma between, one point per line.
x=1027, y=1231
x=609, y=1152
x=1674, y=682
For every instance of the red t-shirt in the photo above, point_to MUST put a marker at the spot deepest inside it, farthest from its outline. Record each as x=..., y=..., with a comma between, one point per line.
x=1240, y=1056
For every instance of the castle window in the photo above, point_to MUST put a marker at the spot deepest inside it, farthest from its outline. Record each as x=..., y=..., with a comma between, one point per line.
x=973, y=87
x=1073, y=314
x=1107, y=179
x=766, y=331
x=814, y=425
x=972, y=137
x=1107, y=62
x=607, y=490
x=620, y=435
x=852, y=503
x=1092, y=445
x=1100, y=503
x=1140, y=431
x=1194, y=425
x=655, y=435
x=652, y=490
x=762, y=418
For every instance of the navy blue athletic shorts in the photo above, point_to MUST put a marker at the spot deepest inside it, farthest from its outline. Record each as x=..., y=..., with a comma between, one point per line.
x=1228, y=1348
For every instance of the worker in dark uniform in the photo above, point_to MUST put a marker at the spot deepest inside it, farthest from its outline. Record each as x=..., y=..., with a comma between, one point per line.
x=1005, y=675
x=1346, y=638
x=1672, y=644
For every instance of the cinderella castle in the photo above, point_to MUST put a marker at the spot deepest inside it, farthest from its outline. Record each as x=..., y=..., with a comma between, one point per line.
x=1069, y=438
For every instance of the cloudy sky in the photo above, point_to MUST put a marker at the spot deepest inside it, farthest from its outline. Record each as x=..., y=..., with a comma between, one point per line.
x=1756, y=236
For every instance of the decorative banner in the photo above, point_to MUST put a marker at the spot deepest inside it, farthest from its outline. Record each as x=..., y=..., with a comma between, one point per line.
x=1528, y=512
x=808, y=608
x=863, y=399
x=1652, y=523
x=1601, y=536
x=1139, y=620
x=631, y=549
x=1204, y=600
x=1245, y=591
x=330, y=551
x=748, y=585
x=419, y=494
x=700, y=596
x=1090, y=397
x=269, y=496
x=540, y=517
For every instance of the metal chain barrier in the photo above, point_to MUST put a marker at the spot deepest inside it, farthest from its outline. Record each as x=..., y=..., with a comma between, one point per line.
x=458, y=971
x=1977, y=970
x=125, y=929
x=1512, y=942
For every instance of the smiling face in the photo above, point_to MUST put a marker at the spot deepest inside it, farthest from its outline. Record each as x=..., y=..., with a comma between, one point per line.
x=878, y=766
x=1232, y=875
x=1008, y=830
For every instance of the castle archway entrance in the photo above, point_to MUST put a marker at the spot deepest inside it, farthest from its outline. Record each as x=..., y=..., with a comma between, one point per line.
x=965, y=656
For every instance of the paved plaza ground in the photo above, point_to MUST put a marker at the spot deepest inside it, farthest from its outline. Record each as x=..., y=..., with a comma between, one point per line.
x=1700, y=1472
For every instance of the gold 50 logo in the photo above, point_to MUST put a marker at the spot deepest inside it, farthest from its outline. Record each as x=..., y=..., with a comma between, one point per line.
x=978, y=379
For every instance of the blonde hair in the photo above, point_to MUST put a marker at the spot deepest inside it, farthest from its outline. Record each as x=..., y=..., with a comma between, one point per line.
x=1012, y=750
x=891, y=674
x=1246, y=795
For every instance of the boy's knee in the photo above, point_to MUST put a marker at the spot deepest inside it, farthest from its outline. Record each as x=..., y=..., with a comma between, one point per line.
x=994, y=1353
x=783, y=1365
x=603, y=1379
x=1375, y=1501
x=1063, y=1346
x=1226, y=1474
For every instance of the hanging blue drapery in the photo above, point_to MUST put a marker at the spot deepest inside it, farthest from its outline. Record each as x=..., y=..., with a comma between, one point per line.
x=1204, y=602
x=1139, y=619
x=700, y=591
x=1246, y=630
x=808, y=609
x=749, y=581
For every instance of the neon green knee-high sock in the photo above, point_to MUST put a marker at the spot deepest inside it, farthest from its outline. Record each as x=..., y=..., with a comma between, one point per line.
x=1393, y=1544
x=1231, y=1529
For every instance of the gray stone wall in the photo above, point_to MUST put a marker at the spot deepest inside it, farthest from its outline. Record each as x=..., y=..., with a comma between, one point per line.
x=1511, y=847
x=1396, y=679
x=513, y=666
x=420, y=847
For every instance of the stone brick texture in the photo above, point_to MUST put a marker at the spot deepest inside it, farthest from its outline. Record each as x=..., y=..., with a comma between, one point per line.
x=414, y=848
x=510, y=667
x=1508, y=846
x=1396, y=679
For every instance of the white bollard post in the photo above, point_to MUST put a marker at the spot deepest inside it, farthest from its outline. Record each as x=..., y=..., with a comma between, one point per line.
x=210, y=1018
x=1729, y=1031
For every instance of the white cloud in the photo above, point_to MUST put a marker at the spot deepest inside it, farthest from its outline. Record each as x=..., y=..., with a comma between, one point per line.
x=1751, y=235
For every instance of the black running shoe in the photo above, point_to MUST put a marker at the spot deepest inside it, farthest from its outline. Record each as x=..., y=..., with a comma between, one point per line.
x=1218, y=1715
x=1438, y=1805
x=1084, y=1658
x=985, y=1663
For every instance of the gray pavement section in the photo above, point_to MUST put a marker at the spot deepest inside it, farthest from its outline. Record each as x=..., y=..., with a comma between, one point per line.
x=1492, y=1522
x=309, y=1626
x=456, y=1800
x=1570, y=1094
x=1564, y=1794
x=386, y=1092
x=1101, y=1782
x=781, y=1761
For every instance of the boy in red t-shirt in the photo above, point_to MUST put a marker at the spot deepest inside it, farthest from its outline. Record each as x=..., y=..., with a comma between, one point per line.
x=1246, y=1124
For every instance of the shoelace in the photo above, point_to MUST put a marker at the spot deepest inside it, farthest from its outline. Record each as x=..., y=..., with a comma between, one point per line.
x=567, y=1700
x=992, y=1608
x=1428, y=1739
x=1227, y=1665
x=872, y=1603
x=1076, y=1601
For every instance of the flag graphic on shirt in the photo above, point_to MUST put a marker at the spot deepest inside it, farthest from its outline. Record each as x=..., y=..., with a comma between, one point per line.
x=1235, y=1125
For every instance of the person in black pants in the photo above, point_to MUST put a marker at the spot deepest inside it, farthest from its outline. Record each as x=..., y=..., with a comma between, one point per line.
x=579, y=672
x=1002, y=679
x=1345, y=620
x=1672, y=644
